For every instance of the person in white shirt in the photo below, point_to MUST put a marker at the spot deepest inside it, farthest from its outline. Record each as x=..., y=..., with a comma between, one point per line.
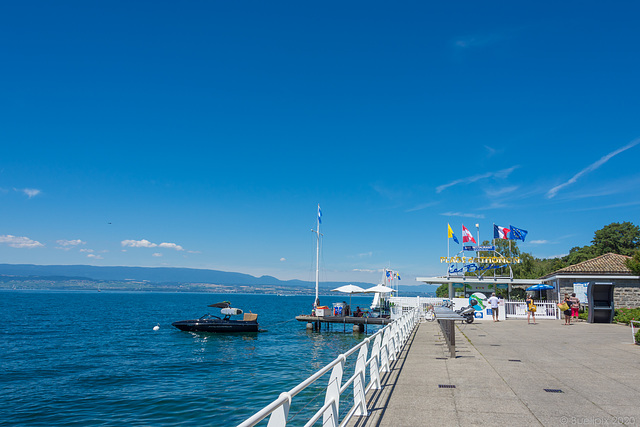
x=494, y=301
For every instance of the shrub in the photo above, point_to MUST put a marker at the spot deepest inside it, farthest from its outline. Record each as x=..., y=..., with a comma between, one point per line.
x=584, y=315
x=624, y=315
x=638, y=337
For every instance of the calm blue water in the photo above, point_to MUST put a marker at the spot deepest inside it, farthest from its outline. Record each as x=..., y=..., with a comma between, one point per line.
x=79, y=358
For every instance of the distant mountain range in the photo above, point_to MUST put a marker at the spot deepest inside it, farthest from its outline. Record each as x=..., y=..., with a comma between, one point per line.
x=167, y=278
x=155, y=275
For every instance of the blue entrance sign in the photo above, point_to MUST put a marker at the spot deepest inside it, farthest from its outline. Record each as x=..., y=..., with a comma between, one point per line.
x=471, y=268
x=479, y=248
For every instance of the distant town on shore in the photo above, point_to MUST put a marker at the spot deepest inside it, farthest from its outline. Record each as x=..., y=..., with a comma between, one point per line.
x=162, y=279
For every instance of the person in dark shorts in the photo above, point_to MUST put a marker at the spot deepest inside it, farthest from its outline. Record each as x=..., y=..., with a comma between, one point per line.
x=530, y=312
x=567, y=312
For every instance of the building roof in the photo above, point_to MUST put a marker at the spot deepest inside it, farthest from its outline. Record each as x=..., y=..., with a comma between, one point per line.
x=604, y=264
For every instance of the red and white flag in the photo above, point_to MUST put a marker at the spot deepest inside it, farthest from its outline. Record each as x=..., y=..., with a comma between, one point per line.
x=466, y=236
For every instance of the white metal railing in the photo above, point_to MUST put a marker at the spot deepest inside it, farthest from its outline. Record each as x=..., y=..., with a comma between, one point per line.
x=513, y=308
x=385, y=348
x=633, y=329
x=544, y=309
x=402, y=305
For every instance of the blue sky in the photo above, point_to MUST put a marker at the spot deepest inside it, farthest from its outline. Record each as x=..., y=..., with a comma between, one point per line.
x=204, y=134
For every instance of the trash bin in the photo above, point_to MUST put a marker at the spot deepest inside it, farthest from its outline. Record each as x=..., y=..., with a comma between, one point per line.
x=338, y=309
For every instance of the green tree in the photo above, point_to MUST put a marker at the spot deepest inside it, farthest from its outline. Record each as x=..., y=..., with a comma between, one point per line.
x=634, y=263
x=443, y=291
x=619, y=238
x=527, y=269
x=577, y=255
x=518, y=293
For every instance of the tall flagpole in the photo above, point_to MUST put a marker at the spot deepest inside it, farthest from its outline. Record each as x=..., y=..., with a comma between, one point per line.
x=316, y=303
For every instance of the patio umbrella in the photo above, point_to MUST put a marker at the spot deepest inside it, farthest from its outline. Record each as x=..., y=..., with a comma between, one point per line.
x=381, y=289
x=540, y=287
x=349, y=289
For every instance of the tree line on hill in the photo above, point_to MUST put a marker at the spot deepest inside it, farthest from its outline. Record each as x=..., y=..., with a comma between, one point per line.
x=618, y=238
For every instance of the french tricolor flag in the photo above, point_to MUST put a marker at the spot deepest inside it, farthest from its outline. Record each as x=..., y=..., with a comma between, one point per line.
x=500, y=232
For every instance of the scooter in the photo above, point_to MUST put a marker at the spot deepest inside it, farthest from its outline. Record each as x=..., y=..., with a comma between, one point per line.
x=468, y=312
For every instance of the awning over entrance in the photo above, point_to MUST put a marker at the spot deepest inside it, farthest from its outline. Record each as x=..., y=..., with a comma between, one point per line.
x=485, y=285
x=474, y=280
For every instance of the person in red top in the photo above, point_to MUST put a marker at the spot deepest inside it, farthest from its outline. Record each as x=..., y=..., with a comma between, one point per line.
x=575, y=306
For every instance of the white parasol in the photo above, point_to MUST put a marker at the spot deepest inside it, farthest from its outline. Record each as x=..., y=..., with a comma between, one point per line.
x=349, y=289
x=381, y=289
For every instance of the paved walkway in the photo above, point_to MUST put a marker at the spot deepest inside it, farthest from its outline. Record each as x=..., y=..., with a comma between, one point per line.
x=500, y=374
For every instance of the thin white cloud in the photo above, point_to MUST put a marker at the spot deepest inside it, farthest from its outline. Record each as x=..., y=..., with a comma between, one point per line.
x=30, y=192
x=422, y=206
x=94, y=256
x=613, y=206
x=499, y=192
x=20, y=241
x=389, y=193
x=144, y=243
x=552, y=193
x=157, y=254
x=365, y=270
x=503, y=173
x=463, y=215
x=171, y=246
x=539, y=242
x=138, y=243
x=87, y=250
x=491, y=151
x=365, y=254
x=66, y=243
x=283, y=259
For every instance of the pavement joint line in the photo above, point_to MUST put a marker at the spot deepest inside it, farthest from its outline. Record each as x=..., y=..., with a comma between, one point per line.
x=503, y=380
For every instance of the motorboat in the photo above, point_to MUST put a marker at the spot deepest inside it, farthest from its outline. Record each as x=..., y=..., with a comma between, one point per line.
x=211, y=323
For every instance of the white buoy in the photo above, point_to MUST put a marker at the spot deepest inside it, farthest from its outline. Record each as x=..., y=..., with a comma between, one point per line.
x=155, y=328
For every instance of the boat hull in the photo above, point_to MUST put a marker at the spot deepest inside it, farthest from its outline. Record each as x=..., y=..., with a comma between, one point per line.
x=216, y=325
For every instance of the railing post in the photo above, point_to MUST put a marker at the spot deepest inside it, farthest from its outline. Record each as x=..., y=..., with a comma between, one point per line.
x=391, y=349
x=384, y=353
x=279, y=417
x=331, y=415
x=359, y=400
x=374, y=372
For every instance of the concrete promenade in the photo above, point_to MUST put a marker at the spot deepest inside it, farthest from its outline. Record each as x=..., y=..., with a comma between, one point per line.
x=500, y=374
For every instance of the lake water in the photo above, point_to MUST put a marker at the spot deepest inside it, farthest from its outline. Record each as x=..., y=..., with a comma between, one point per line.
x=93, y=358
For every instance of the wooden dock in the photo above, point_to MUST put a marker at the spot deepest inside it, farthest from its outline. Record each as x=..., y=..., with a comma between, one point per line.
x=359, y=323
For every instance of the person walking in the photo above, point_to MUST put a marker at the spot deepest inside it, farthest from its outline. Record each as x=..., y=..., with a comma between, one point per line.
x=531, y=310
x=575, y=306
x=567, y=312
x=494, y=301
